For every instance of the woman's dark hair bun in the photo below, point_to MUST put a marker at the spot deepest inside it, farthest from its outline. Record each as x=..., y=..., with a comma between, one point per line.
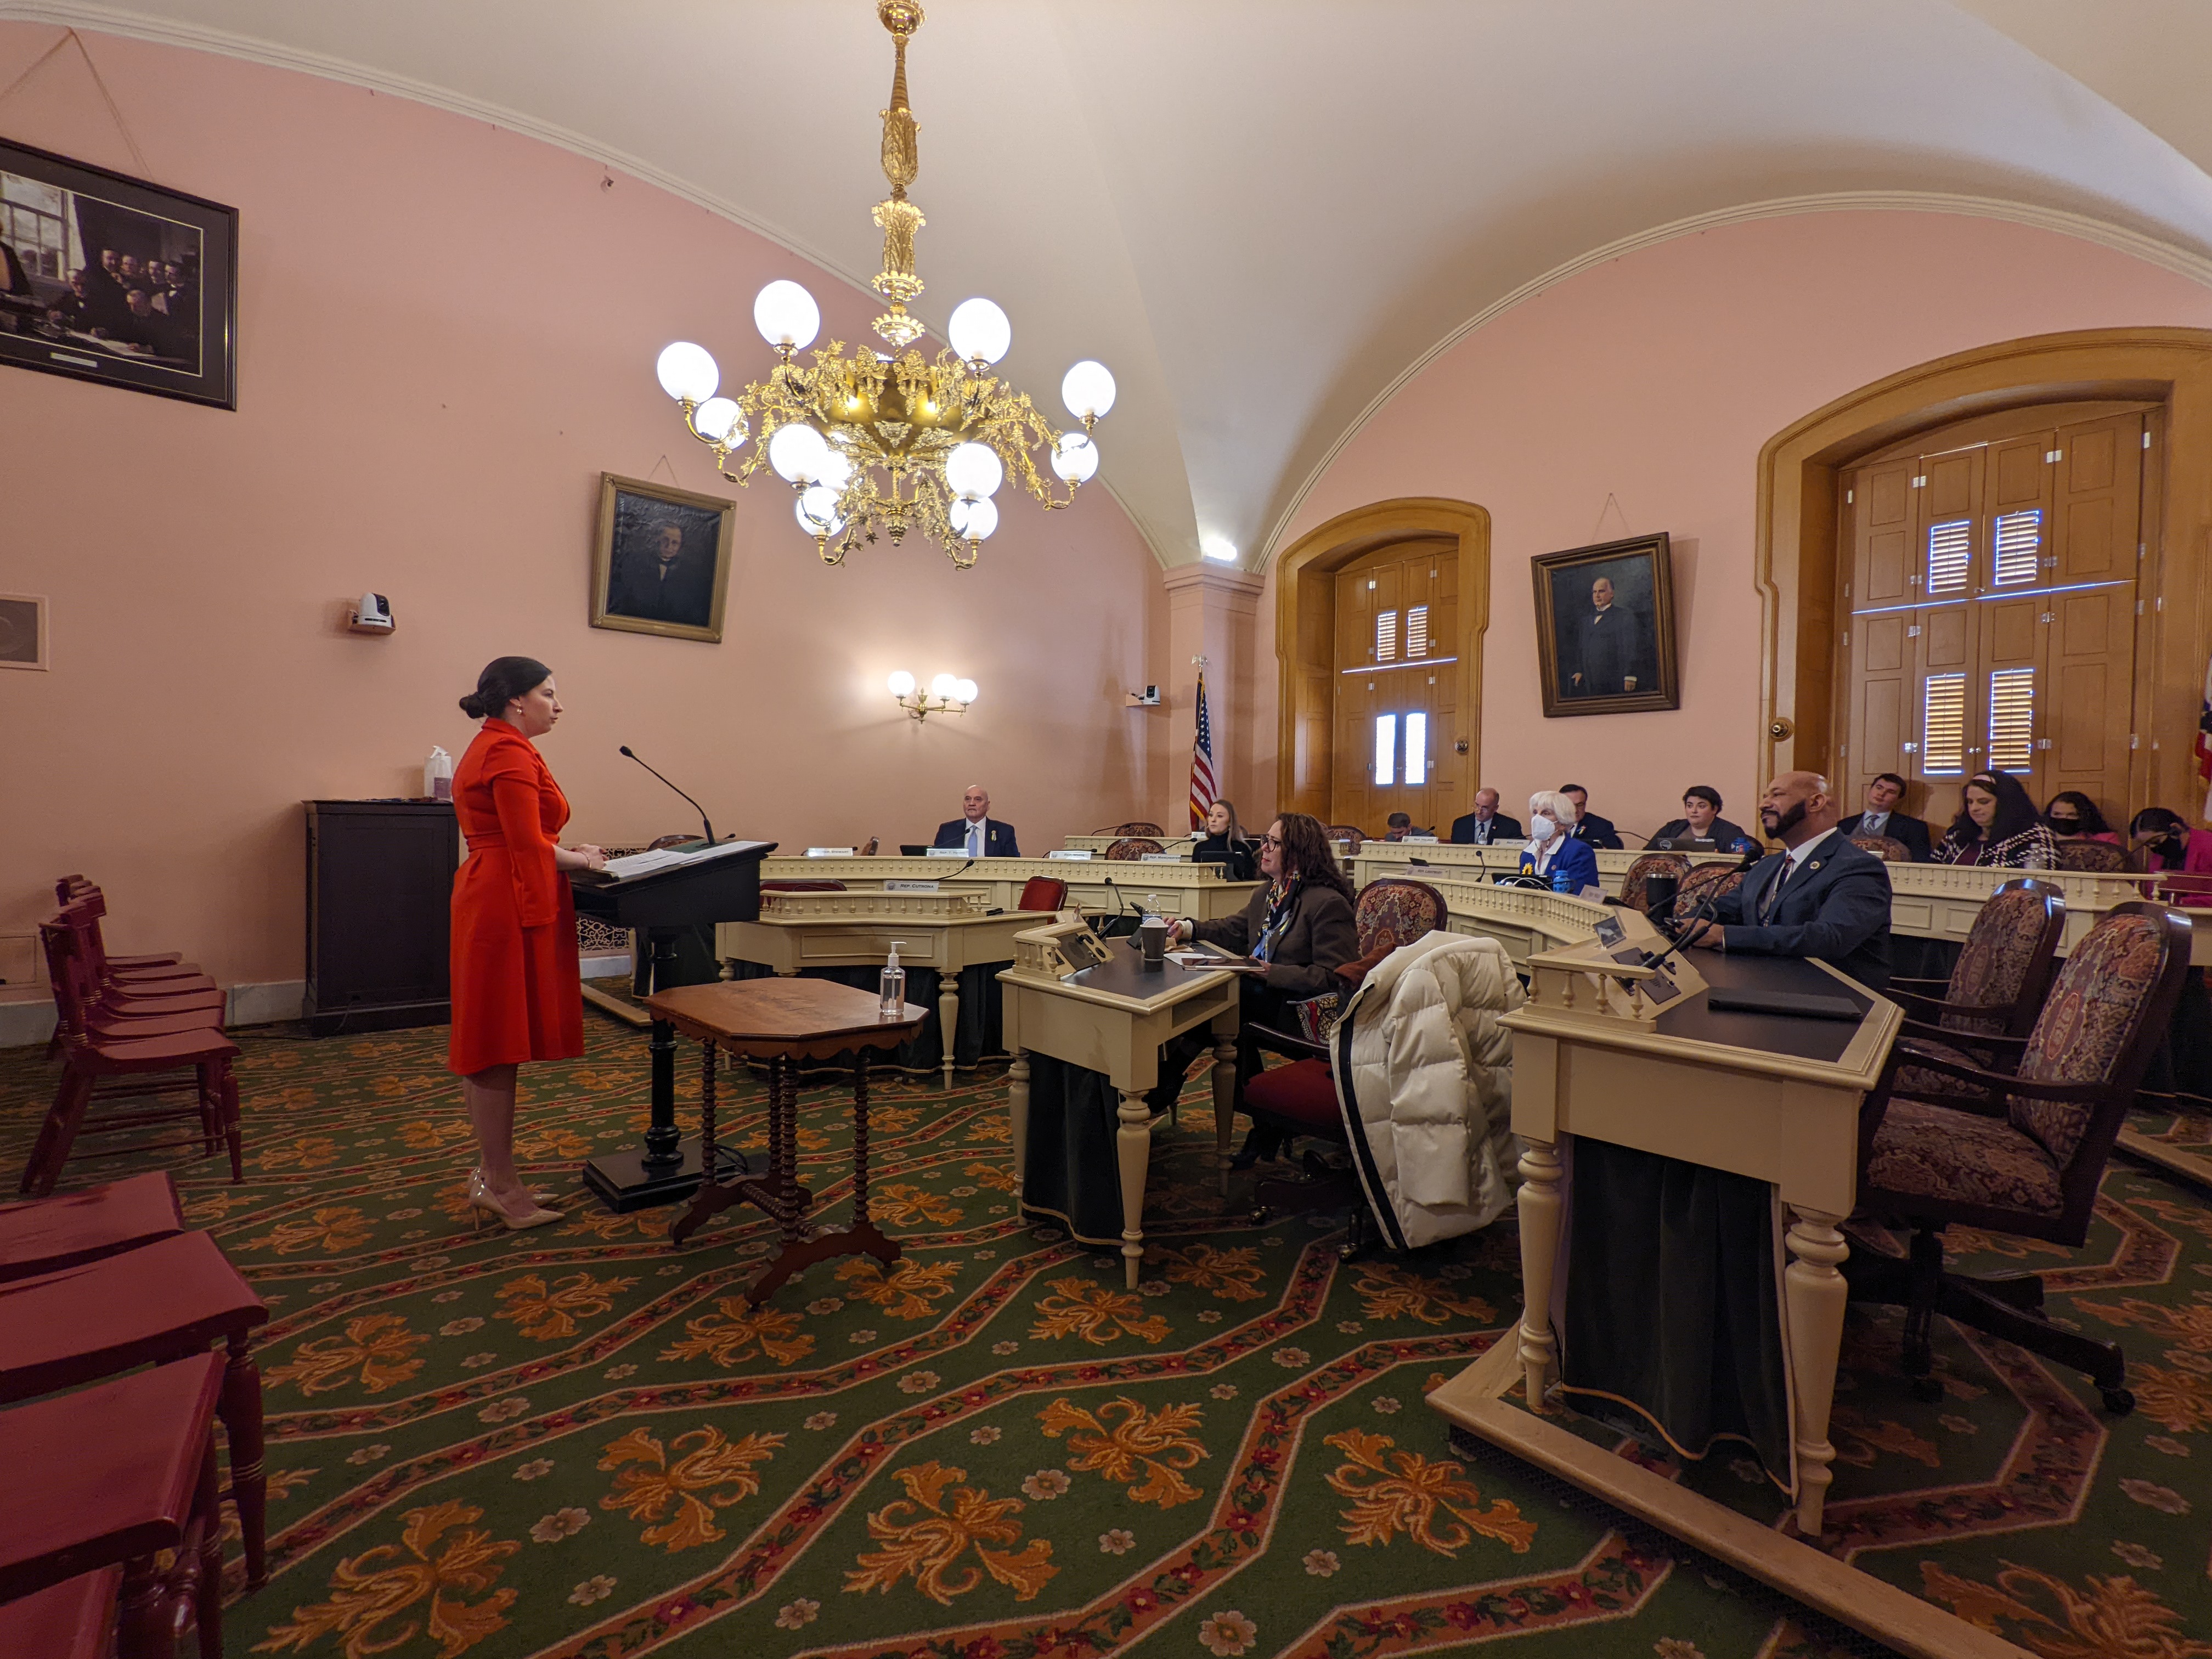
x=503, y=680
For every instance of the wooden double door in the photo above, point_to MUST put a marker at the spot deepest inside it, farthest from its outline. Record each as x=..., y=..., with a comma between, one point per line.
x=1396, y=693
x=1992, y=603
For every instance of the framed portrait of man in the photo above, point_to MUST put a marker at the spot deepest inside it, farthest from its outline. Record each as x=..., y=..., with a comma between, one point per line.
x=1605, y=628
x=661, y=564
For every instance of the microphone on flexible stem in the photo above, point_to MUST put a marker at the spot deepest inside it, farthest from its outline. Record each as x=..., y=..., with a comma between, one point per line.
x=704, y=822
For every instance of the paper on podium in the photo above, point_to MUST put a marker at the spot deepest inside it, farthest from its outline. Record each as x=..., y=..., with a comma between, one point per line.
x=634, y=865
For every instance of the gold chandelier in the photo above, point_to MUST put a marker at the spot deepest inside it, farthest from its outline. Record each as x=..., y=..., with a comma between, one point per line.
x=889, y=441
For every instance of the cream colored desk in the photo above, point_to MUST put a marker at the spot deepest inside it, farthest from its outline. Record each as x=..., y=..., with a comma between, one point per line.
x=1185, y=889
x=1113, y=1018
x=1447, y=862
x=944, y=931
x=1099, y=844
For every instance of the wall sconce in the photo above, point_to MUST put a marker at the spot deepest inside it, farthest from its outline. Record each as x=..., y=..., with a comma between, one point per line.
x=946, y=695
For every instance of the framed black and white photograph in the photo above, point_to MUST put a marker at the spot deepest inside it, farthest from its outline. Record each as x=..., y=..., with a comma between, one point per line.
x=22, y=630
x=661, y=564
x=109, y=279
x=1605, y=628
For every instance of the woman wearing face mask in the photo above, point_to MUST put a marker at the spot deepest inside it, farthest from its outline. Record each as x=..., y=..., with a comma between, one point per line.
x=2072, y=816
x=1552, y=855
x=1998, y=825
x=1225, y=837
x=2163, y=840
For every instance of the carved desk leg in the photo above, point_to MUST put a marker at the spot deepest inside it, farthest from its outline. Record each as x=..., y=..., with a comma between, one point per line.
x=1540, y=1247
x=1133, y=1146
x=1017, y=1117
x=948, y=1015
x=1815, y=1292
x=1225, y=1100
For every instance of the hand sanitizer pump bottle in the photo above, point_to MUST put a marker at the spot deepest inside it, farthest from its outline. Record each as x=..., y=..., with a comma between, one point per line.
x=894, y=983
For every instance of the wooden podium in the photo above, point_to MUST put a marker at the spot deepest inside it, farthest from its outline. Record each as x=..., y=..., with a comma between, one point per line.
x=662, y=905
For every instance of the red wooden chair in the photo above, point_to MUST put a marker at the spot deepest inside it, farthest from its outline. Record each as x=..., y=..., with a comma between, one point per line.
x=44, y=1235
x=73, y=1619
x=114, y=1474
x=1043, y=893
x=151, y=1306
x=82, y=1010
x=71, y=889
x=130, y=970
x=89, y=1060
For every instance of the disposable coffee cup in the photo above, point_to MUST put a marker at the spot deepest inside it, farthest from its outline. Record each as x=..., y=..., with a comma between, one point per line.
x=1153, y=939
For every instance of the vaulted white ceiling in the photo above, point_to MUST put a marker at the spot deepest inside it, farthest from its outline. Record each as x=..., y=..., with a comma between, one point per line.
x=1262, y=214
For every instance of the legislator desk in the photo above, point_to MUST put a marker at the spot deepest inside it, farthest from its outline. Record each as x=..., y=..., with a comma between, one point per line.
x=1772, y=1097
x=1096, y=845
x=1196, y=890
x=1434, y=861
x=1112, y=1019
x=722, y=886
x=945, y=931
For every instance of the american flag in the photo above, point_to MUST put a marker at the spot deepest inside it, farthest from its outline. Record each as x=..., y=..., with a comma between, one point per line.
x=1201, y=763
x=2204, y=741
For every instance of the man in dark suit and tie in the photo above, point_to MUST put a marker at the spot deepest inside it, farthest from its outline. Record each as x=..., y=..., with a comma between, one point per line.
x=1589, y=827
x=1881, y=817
x=664, y=581
x=976, y=830
x=1485, y=823
x=1822, y=897
x=1605, y=649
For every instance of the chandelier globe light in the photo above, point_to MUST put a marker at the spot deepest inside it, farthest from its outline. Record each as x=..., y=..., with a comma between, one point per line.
x=882, y=442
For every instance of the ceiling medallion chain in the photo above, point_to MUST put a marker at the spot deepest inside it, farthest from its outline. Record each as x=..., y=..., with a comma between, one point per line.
x=883, y=443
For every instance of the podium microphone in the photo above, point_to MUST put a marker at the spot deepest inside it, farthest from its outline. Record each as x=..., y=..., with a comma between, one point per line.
x=705, y=822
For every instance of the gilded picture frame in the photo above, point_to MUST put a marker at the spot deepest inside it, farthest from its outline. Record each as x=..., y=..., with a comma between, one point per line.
x=660, y=562
x=1605, y=628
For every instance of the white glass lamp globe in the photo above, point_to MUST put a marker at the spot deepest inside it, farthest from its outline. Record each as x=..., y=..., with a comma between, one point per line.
x=979, y=331
x=901, y=684
x=837, y=470
x=786, y=315
x=717, y=418
x=1088, y=390
x=687, y=372
x=798, y=453
x=816, y=511
x=943, y=686
x=1075, y=458
x=972, y=470
x=974, y=519
x=964, y=691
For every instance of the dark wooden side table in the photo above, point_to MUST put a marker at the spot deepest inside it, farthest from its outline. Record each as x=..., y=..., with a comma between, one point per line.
x=783, y=1021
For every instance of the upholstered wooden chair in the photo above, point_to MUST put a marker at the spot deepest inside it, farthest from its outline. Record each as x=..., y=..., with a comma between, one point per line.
x=1888, y=848
x=802, y=887
x=2023, y=1151
x=1642, y=868
x=1300, y=1098
x=1705, y=881
x=1996, y=988
x=1043, y=893
x=44, y=1235
x=1130, y=848
x=115, y=1475
x=2100, y=856
x=1351, y=832
x=1134, y=827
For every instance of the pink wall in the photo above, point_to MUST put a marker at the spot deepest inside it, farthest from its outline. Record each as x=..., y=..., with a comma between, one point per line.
x=1657, y=378
x=447, y=333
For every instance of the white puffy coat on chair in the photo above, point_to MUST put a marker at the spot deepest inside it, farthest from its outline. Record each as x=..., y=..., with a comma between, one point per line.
x=1424, y=1079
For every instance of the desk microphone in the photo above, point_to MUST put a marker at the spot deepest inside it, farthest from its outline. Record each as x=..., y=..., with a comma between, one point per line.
x=695, y=808
x=1703, y=913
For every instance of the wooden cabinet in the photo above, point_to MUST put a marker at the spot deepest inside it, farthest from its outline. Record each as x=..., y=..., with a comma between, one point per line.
x=380, y=894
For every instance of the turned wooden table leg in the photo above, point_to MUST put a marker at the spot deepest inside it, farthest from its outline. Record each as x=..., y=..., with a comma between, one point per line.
x=1017, y=1117
x=1539, y=1207
x=707, y=1055
x=861, y=1140
x=1134, y=1147
x=948, y=1015
x=1815, y=1293
x=1225, y=1100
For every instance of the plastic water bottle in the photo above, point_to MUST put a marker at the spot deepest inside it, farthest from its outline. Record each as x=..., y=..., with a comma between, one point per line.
x=1562, y=882
x=893, y=994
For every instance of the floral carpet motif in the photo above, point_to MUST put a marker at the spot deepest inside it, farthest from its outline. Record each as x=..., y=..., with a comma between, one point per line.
x=579, y=1442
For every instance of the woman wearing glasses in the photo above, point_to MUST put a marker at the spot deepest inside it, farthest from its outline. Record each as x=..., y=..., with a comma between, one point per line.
x=1300, y=925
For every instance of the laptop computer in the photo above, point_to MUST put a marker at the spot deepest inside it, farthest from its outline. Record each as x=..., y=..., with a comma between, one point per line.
x=911, y=850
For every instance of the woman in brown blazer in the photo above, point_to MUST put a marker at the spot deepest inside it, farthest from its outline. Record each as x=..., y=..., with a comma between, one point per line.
x=1300, y=924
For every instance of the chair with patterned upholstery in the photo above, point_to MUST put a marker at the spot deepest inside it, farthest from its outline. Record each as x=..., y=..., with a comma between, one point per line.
x=1134, y=827
x=2023, y=1151
x=1300, y=1098
x=1703, y=882
x=1888, y=848
x=1130, y=848
x=1996, y=988
x=2100, y=856
x=1334, y=833
x=1642, y=868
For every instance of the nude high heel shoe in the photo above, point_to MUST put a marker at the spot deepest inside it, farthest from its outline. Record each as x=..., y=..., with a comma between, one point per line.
x=484, y=1205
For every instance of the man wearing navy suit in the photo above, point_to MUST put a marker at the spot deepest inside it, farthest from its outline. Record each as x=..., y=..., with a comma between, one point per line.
x=1881, y=817
x=976, y=830
x=1822, y=898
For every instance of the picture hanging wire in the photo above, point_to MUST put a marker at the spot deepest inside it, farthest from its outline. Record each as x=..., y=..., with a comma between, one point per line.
x=70, y=37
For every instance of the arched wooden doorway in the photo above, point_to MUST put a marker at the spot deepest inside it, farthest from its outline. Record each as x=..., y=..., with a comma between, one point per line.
x=1337, y=691
x=1800, y=556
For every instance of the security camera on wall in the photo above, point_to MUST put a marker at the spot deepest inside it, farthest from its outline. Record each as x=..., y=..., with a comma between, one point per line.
x=1147, y=698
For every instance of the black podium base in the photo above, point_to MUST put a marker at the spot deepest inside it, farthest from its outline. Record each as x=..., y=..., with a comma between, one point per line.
x=623, y=1182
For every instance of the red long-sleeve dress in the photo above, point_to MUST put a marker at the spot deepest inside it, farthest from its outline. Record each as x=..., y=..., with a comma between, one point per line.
x=516, y=990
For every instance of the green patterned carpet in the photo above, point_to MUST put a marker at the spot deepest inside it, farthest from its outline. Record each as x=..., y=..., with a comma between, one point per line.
x=578, y=1442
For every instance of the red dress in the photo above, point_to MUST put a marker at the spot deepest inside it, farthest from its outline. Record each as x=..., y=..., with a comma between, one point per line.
x=517, y=994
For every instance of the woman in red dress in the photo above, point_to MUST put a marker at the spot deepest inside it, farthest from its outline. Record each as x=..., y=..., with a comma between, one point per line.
x=516, y=994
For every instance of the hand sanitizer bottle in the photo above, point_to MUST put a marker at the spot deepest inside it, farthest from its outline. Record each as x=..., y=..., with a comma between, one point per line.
x=894, y=983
